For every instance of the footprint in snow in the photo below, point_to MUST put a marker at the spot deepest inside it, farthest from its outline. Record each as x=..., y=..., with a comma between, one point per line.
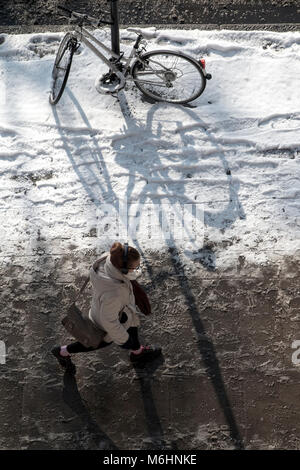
x=44, y=45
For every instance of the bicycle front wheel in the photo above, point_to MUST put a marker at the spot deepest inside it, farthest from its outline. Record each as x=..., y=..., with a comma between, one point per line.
x=61, y=68
x=168, y=76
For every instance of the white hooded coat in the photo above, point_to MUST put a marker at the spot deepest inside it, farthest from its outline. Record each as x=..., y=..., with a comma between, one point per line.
x=112, y=295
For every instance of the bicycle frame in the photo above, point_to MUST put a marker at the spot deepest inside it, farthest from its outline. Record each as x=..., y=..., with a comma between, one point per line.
x=80, y=34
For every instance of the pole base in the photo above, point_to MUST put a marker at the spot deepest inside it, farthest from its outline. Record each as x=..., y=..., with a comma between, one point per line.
x=110, y=83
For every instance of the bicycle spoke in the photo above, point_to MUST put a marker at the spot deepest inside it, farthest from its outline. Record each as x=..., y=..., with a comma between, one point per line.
x=175, y=62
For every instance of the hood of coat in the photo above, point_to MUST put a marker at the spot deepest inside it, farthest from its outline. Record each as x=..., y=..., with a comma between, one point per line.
x=111, y=270
x=108, y=273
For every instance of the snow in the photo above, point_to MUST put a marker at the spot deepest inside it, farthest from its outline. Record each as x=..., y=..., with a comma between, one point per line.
x=233, y=153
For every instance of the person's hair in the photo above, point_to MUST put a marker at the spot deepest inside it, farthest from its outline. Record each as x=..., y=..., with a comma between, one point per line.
x=117, y=251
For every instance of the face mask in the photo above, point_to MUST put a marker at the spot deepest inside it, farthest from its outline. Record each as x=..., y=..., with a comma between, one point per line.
x=133, y=275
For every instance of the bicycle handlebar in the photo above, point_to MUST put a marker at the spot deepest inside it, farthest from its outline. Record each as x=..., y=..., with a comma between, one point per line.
x=84, y=18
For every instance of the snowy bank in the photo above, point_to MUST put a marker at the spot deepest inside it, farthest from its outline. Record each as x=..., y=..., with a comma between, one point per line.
x=234, y=154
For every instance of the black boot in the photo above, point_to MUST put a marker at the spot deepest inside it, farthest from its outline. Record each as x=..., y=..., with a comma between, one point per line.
x=64, y=361
x=148, y=354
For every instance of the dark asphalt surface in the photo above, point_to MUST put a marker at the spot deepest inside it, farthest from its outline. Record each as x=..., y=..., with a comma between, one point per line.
x=225, y=381
x=30, y=14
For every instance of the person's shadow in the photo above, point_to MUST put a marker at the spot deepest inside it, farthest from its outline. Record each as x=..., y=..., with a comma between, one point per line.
x=72, y=398
x=145, y=373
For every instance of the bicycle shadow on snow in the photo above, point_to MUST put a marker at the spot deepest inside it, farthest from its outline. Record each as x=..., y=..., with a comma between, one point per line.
x=222, y=218
x=95, y=153
x=230, y=213
x=71, y=393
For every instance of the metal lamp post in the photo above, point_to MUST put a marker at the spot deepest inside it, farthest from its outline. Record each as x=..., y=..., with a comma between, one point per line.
x=115, y=35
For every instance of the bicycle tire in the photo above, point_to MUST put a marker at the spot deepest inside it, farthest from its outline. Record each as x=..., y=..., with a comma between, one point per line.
x=159, y=92
x=59, y=81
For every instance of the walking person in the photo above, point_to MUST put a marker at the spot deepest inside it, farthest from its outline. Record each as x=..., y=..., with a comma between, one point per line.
x=113, y=307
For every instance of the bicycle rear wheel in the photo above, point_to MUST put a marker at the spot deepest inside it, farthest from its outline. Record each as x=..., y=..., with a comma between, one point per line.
x=61, y=68
x=169, y=76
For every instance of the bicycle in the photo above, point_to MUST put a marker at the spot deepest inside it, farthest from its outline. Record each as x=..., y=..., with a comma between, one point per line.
x=162, y=75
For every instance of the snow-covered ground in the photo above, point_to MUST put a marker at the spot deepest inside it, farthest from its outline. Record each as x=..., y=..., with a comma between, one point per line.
x=234, y=153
